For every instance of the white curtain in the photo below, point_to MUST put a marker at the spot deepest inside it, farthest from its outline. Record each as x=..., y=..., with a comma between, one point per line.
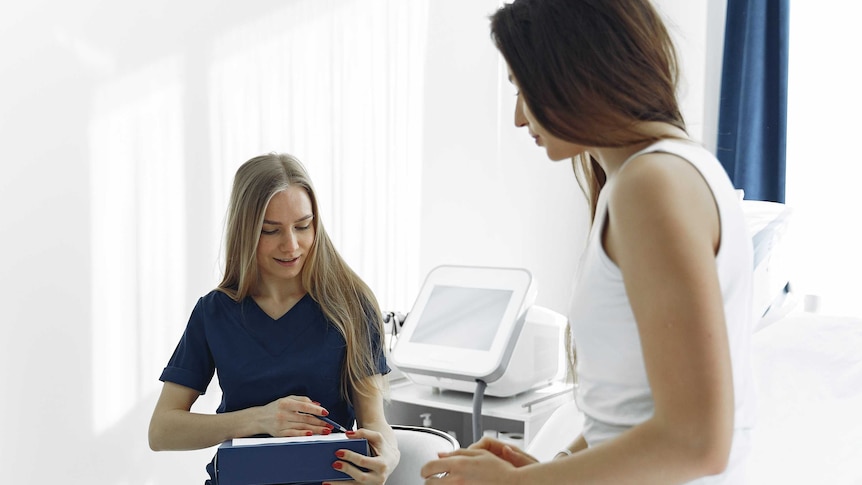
x=337, y=83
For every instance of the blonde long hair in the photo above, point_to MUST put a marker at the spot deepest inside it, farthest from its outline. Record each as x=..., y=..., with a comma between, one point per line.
x=347, y=302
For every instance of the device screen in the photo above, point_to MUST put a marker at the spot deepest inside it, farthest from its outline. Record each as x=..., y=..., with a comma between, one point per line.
x=466, y=318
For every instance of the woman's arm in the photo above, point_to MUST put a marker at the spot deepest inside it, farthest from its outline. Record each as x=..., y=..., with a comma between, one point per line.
x=517, y=456
x=580, y=444
x=372, y=425
x=663, y=233
x=174, y=427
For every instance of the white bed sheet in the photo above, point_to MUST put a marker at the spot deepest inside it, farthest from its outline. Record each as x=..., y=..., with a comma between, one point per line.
x=808, y=371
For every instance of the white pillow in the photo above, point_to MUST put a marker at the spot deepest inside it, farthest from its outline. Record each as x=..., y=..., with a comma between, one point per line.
x=767, y=225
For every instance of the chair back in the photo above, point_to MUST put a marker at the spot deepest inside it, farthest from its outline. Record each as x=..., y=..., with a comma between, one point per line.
x=561, y=428
x=418, y=446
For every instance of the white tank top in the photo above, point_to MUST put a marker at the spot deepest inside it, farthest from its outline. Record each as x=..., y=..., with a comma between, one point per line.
x=612, y=390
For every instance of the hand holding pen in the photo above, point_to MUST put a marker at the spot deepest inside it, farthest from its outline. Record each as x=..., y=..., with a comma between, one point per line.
x=295, y=416
x=326, y=420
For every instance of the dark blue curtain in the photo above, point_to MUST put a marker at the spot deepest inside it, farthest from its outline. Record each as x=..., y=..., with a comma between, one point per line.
x=752, y=122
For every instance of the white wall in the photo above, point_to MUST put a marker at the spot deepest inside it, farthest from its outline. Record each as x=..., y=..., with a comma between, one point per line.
x=55, y=57
x=489, y=197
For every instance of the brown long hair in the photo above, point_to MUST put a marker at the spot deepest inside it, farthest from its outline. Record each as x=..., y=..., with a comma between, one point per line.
x=347, y=302
x=591, y=71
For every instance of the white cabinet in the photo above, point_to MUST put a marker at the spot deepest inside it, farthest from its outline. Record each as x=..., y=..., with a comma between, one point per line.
x=453, y=410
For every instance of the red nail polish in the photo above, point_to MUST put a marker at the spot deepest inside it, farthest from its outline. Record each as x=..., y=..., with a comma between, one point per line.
x=350, y=433
x=337, y=465
x=308, y=433
x=325, y=413
x=339, y=453
x=327, y=431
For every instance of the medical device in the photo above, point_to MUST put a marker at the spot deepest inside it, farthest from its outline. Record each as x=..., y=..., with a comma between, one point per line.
x=478, y=325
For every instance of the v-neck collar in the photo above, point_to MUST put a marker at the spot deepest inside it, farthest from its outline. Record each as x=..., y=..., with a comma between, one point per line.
x=283, y=315
x=277, y=335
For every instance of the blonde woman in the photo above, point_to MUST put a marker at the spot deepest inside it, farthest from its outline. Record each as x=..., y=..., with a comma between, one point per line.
x=291, y=329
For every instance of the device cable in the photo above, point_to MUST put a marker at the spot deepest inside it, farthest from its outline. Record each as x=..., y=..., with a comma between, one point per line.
x=478, y=396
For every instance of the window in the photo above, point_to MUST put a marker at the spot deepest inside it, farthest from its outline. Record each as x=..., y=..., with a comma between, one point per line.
x=824, y=167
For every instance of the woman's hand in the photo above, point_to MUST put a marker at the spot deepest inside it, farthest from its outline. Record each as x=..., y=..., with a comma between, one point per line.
x=513, y=455
x=377, y=467
x=473, y=466
x=293, y=416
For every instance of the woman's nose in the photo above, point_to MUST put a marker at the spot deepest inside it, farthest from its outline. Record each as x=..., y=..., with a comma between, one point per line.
x=520, y=119
x=289, y=243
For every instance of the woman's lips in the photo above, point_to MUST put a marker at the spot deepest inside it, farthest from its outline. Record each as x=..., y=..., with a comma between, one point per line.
x=287, y=262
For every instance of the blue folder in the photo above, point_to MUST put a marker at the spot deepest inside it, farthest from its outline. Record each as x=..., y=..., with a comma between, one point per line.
x=276, y=461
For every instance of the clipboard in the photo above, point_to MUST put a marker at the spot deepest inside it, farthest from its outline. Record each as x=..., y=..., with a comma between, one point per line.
x=265, y=461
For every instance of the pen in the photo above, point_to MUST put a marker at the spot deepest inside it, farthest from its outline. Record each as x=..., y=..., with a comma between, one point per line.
x=327, y=420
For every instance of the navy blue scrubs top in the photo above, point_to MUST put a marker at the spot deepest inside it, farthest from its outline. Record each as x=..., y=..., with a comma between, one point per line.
x=260, y=359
